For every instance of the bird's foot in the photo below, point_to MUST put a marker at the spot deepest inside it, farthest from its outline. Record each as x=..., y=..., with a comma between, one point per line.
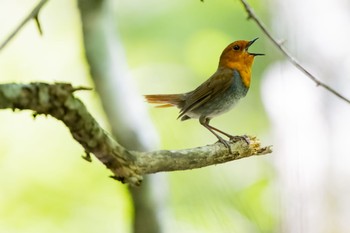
x=238, y=138
x=226, y=144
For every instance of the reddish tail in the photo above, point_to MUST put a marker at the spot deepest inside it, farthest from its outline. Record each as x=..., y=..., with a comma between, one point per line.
x=163, y=101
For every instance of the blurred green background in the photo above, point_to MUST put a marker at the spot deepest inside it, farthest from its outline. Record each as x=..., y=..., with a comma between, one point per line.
x=171, y=47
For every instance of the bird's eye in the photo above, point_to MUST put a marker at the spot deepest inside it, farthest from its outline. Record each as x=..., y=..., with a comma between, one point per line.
x=236, y=47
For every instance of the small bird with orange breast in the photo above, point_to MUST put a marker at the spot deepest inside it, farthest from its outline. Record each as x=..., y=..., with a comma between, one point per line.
x=219, y=93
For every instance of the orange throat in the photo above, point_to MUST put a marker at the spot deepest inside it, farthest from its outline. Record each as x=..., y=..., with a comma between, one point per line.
x=244, y=71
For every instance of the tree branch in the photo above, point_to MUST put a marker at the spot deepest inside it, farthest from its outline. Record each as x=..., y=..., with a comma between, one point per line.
x=32, y=15
x=58, y=101
x=294, y=61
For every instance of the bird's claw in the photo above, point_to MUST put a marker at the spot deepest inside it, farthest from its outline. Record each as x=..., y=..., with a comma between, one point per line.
x=226, y=144
x=233, y=139
x=238, y=138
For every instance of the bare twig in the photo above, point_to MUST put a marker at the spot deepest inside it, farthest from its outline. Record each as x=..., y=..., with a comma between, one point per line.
x=38, y=25
x=127, y=166
x=294, y=61
x=32, y=15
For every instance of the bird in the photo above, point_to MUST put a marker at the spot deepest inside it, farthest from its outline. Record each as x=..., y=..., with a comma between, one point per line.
x=218, y=94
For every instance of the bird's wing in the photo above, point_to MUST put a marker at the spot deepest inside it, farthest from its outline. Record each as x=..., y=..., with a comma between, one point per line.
x=219, y=82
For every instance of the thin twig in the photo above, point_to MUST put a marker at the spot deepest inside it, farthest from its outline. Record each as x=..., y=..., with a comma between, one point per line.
x=294, y=61
x=38, y=25
x=32, y=15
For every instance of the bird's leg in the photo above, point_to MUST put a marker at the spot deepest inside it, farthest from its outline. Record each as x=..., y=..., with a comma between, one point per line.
x=205, y=122
x=231, y=137
x=222, y=132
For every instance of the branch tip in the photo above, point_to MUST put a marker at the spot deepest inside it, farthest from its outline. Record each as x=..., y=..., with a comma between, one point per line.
x=35, y=114
x=81, y=89
x=87, y=156
x=38, y=25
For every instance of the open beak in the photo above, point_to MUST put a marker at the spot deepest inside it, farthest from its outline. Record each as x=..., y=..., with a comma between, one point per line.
x=249, y=44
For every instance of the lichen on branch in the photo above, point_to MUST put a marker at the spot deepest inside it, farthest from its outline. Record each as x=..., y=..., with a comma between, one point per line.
x=58, y=100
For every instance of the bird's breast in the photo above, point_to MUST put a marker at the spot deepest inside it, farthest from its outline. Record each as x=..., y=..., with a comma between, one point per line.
x=229, y=98
x=224, y=101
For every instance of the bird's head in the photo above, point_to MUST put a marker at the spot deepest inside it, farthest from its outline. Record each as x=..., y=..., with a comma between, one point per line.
x=236, y=55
